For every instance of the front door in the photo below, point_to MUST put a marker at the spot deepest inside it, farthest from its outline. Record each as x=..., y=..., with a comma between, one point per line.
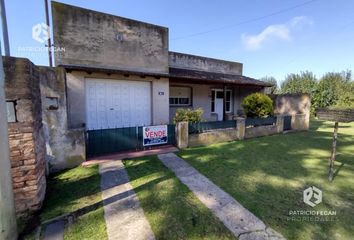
x=219, y=104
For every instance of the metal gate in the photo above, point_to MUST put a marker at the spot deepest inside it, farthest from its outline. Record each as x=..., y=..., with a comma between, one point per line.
x=107, y=141
x=287, y=123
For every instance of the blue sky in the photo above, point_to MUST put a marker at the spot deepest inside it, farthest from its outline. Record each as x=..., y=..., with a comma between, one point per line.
x=318, y=36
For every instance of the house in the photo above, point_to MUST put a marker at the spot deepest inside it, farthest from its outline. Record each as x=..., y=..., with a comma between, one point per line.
x=113, y=76
x=120, y=73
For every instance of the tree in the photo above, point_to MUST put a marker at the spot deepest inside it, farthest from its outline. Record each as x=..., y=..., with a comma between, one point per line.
x=334, y=89
x=270, y=90
x=305, y=82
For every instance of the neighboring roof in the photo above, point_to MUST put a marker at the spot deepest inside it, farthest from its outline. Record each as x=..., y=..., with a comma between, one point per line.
x=179, y=73
x=212, y=77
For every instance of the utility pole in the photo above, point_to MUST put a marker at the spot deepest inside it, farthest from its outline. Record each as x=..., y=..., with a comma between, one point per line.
x=8, y=225
x=49, y=40
x=5, y=33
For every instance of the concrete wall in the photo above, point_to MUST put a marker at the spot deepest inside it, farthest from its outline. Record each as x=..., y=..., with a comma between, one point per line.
x=77, y=100
x=160, y=103
x=289, y=104
x=187, y=61
x=201, y=97
x=65, y=147
x=260, y=131
x=296, y=105
x=240, y=132
x=26, y=139
x=98, y=39
x=8, y=224
x=207, y=138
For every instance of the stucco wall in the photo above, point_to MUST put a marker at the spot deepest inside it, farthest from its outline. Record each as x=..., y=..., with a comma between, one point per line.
x=289, y=104
x=160, y=101
x=182, y=60
x=292, y=104
x=99, y=39
x=65, y=148
x=77, y=101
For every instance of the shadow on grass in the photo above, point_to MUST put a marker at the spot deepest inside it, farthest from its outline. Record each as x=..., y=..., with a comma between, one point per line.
x=171, y=208
x=267, y=175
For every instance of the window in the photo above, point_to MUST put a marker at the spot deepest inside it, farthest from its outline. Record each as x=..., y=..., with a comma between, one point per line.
x=219, y=94
x=11, y=111
x=180, y=96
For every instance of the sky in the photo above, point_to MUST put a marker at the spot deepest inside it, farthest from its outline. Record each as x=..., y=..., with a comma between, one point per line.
x=270, y=37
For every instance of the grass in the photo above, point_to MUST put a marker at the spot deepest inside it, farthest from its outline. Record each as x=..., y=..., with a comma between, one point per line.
x=71, y=190
x=89, y=226
x=171, y=208
x=268, y=175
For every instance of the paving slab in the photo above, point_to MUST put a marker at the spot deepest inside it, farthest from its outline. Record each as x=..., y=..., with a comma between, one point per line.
x=241, y=222
x=55, y=231
x=123, y=214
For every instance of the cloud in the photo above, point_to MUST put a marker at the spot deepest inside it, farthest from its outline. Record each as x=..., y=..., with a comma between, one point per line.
x=275, y=32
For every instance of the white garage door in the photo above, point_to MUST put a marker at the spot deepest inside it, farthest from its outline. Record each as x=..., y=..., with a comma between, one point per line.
x=117, y=103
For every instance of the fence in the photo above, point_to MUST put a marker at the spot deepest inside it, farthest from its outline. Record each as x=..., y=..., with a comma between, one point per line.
x=201, y=127
x=108, y=141
x=255, y=122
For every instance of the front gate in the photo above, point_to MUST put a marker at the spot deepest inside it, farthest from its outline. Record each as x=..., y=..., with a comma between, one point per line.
x=287, y=123
x=107, y=141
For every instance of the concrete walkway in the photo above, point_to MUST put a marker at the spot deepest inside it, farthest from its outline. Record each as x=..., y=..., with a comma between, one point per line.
x=54, y=231
x=131, y=154
x=241, y=222
x=122, y=212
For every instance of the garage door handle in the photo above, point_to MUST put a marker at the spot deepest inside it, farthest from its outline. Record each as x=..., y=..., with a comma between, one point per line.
x=111, y=109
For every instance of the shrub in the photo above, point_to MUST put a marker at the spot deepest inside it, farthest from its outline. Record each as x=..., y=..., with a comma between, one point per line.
x=188, y=115
x=257, y=105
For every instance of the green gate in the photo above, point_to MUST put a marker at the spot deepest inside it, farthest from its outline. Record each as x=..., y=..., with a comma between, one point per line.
x=287, y=123
x=107, y=141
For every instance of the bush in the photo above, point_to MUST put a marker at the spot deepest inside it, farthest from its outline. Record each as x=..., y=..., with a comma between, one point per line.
x=257, y=105
x=188, y=115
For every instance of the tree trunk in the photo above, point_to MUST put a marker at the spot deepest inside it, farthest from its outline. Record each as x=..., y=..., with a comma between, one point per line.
x=333, y=154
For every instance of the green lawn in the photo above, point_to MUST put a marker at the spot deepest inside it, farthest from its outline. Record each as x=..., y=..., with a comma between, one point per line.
x=71, y=190
x=268, y=175
x=170, y=207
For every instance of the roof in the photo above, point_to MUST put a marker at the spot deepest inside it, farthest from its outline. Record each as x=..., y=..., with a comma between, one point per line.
x=112, y=70
x=189, y=75
x=215, y=77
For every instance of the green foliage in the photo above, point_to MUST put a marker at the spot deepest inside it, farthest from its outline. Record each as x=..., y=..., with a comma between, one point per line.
x=188, y=115
x=305, y=82
x=257, y=105
x=334, y=89
x=328, y=90
x=346, y=99
x=270, y=90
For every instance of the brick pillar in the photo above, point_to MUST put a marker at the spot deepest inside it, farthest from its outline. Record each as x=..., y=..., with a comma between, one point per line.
x=240, y=128
x=182, y=134
x=280, y=123
x=26, y=140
